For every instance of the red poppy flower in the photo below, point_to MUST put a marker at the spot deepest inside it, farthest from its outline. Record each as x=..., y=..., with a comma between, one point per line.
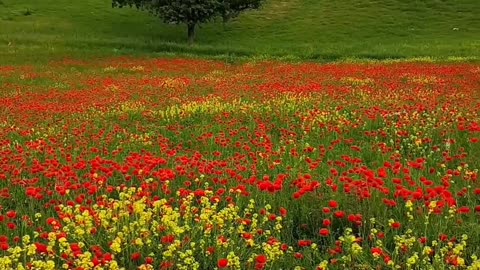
x=96, y=261
x=168, y=239
x=377, y=251
x=324, y=232
x=247, y=236
x=4, y=246
x=211, y=250
x=396, y=225
x=166, y=265
x=11, y=214
x=352, y=218
x=382, y=172
x=326, y=222
x=333, y=204
x=135, y=256
x=41, y=248
x=11, y=226
x=443, y=237
x=423, y=240
x=339, y=214
x=222, y=263
x=108, y=257
x=304, y=243
x=149, y=260
x=463, y=210
x=261, y=259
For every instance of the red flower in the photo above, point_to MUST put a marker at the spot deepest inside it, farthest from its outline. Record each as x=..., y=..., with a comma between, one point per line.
x=222, y=263
x=41, y=248
x=261, y=259
x=339, y=214
x=11, y=214
x=283, y=212
x=377, y=251
x=108, y=257
x=382, y=173
x=265, y=185
x=168, y=239
x=211, y=250
x=247, y=236
x=4, y=246
x=298, y=195
x=326, y=222
x=324, y=232
x=396, y=225
x=463, y=210
x=443, y=237
x=423, y=240
x=199, y=193
x=387, y=259
x=333, y=204
x=261, y=262
x=166, y=265
x=136, y=256
x=304, y=243
x=352, y=218
x=11, y=226
x=96, y=261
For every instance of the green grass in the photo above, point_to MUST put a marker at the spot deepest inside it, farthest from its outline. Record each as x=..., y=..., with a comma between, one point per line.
x=302, y=29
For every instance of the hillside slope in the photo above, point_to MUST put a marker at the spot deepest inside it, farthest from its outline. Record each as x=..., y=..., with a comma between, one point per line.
x=310, y=29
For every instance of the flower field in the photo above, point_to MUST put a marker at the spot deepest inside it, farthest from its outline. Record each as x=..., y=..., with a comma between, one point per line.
x=193, y=164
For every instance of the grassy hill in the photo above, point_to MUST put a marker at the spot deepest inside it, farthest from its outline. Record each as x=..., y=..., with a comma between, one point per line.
x=307, y=29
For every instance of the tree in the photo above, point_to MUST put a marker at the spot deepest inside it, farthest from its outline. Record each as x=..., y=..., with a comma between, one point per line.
x=190, y=12
x=232, y=8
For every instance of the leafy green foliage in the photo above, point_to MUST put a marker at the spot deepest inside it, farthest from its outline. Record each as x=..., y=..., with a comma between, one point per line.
x=191, y=12
x=176, y=11
x=232, y=8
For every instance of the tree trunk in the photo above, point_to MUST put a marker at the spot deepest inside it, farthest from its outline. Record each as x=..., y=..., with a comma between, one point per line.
x=191, y=33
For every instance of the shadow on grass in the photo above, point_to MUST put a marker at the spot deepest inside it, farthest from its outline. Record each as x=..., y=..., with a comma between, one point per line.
x=36, y=51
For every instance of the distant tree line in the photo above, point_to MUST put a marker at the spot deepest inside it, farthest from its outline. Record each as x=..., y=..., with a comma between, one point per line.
x=191, y=12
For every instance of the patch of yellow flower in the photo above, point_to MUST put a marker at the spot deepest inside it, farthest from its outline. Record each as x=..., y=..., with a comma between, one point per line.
x=180, y=232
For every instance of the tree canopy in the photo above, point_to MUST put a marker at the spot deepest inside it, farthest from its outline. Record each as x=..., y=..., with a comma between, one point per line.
x=232, y=8
x=191, y=12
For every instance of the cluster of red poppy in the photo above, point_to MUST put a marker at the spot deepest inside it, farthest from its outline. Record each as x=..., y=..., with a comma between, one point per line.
x=335, y=144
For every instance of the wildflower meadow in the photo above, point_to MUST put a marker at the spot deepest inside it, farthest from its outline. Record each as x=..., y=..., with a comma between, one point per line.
x=130, y=163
